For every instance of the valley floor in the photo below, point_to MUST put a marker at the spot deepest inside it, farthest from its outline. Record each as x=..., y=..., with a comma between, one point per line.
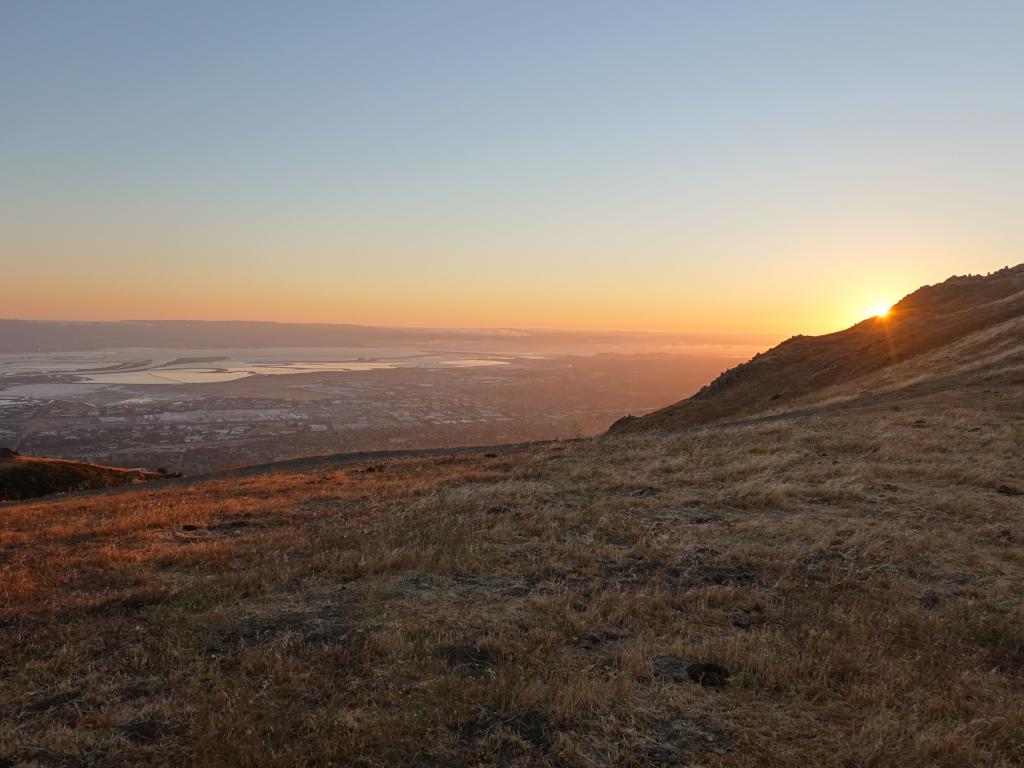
x=859, y=575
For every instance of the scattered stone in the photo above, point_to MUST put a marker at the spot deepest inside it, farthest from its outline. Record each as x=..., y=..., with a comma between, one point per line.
x=1005, y=535
x=499, y=510
x=670, y=667
x=490, y=455
x=374, y=468
x=673, y=668
x=705, y=520
x=190, y=527
x=1009, y=490
x=742, y=623
x=929, y=599
x=708, y=675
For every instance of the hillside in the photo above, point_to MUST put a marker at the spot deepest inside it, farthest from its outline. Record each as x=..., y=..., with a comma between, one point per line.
x=26, y=477
x=833, y=578
x=981, y=315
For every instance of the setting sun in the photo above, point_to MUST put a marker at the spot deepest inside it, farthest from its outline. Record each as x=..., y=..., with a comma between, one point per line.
x=880, y=310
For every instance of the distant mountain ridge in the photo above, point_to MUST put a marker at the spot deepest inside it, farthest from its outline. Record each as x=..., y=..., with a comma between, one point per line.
x=972, y=315
x=24, y=336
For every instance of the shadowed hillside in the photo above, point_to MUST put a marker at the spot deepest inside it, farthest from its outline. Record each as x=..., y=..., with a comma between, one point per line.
x=973, y=316
x=26, y=477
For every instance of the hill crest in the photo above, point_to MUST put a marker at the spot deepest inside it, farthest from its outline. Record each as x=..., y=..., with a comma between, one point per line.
x=930, y=318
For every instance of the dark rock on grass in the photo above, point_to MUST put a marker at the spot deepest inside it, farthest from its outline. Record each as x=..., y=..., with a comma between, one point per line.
x=671, y=668
x=499, y=510
x=709, y=675
x=469, y=657
x=678, y=671
x=1005, y=535
x=724, y=575
x=1009, y=490
x=146, y=730
x=704, y=520
x=234, y=525
x=532, y=726
x=190, y=527
x=490, y=455
x=929, y=599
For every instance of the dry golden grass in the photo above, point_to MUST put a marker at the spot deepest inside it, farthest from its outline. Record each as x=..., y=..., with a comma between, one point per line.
x=859, y=575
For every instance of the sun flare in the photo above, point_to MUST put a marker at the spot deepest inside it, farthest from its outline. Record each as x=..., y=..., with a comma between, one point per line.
x=879, y=310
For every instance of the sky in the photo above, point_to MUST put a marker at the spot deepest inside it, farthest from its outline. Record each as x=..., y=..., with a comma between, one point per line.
x=725, y=166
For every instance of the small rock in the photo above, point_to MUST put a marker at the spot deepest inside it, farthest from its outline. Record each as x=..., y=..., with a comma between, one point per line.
x=929, y=599
x=1005, y=535
x=490, y=455
x=708, y=675
x=499, y=510
x=1009, y=490
x=671, y=667
x=189, y=527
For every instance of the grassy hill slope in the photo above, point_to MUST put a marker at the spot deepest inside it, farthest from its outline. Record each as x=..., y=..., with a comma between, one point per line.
x=964, y=311
x=859, y=578
x=26, y=477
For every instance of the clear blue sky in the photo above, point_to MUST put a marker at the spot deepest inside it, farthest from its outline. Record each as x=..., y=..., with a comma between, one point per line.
x=706, y=166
